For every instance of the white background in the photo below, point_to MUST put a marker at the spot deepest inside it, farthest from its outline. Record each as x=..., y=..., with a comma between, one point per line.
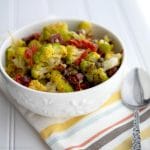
x=128, y=18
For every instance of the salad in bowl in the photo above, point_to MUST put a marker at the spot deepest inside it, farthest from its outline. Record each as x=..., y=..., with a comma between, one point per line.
x=58, y=59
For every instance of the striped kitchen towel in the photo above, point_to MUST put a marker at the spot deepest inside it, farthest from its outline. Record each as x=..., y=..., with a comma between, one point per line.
x=109, y=127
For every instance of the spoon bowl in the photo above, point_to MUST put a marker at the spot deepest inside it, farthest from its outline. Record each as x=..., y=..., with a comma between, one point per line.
x=135, y=93
x=135, y=90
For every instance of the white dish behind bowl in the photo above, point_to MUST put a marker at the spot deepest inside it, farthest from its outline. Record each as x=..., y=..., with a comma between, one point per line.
x=62, y=104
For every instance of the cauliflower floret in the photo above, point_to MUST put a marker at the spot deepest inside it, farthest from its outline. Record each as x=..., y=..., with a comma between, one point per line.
x=15, y=55
x=44, y=54
x=35, y=43
x=15, y=61
x=106, y=38
x=61, y=28
x=85, y=66
x=19, y=51
x=10, y=54
x=104, y=46
x=59, y=50
x=39, y=71
x=96, y=76
x=74, y=35
x=61, y=83
x=109, y=55
x=73, y=54
x=93, y=57
x=50, y=54
x=51, y=87
x=18, y=43
x=19, y=60
x=112, y=61
x=85, y=25
x=11, y=69
x=36, y=85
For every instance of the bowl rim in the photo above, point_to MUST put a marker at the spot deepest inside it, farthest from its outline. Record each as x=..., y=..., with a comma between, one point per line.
x=51, y=20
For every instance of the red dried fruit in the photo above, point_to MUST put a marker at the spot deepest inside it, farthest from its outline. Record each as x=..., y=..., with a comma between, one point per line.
x=84, y=44
x=18, y=78
x=111, y=71
x=81, y=86
x=56, y=38
x=29, y=52
x=72, y=79
x=34, y=36
x=79, y=76
x=24, y=80
x=77, y=87
x=34, y=49
x=100, y=52
x=84, y=85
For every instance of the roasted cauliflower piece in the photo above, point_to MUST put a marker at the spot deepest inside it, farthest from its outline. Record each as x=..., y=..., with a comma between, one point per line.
x=36, y=85
x=59, y=50
x=18, y=43
x=44, y=54
x=112, y=61
x=39, y=71
x=96, y=76
x=15, y=55
x=35, y=43
x=93, y=57
x=105, y=46
x=86, y=26
x=85, y=66
x=60, y=27
x=73, y=54
x=61, y=83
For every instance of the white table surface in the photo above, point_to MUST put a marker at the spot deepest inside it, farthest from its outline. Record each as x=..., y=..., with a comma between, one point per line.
x=128, y=18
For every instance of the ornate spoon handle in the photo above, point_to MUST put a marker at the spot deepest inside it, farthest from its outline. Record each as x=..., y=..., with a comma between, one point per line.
x=136, y=139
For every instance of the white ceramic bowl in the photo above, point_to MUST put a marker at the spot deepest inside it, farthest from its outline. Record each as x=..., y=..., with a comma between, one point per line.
x=62, y=104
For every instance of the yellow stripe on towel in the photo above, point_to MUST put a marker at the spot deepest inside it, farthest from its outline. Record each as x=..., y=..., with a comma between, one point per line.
x=59, y=127
x=127, y=144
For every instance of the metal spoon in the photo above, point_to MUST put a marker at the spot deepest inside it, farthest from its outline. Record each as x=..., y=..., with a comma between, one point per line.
x=135, y=92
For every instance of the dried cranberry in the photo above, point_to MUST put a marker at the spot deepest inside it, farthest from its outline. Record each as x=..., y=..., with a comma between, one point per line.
x=84, y=85
x=79, y=76
x=81, y=86
x=111, y=71
x=72, y=79
x=102, y=54
x=18, y=78
x=77, y=87
x=24, y=80
x=34, y=36
x=56, y=38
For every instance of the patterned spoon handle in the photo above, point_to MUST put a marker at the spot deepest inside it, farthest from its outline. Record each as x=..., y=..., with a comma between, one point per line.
x=136, y=139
